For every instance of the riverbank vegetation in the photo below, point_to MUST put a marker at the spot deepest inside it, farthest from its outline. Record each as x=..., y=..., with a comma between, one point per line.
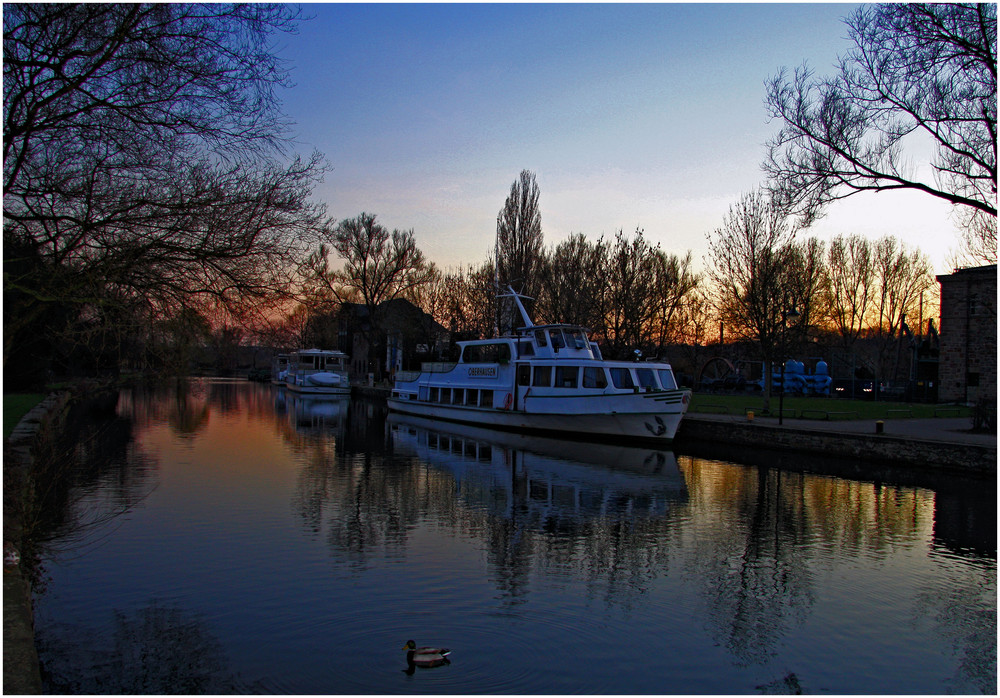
x=15, y=406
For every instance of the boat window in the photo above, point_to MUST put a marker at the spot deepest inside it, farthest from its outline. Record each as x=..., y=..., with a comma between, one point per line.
x=543, y=376
x=498, y=353
x=524, y=374
x=472, y=397
x=622, y=378
x=594, y=377
x=486, y=398
x=576, y=338
x=557, y=339
x=667, y=379
x=646, y=377
x=567, y=376
x=525, y=349
x=540, y=338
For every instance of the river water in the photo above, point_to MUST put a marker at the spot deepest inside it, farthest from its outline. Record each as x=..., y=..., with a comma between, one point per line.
x=228, y=537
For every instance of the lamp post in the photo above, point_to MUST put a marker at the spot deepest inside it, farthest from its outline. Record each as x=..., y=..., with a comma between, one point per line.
x=793, y=314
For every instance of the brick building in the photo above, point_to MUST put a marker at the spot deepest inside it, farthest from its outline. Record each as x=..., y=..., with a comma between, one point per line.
x=407, y=337
x=967, y=371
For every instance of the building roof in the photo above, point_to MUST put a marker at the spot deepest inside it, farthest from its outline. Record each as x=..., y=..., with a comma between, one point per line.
x=989, y=269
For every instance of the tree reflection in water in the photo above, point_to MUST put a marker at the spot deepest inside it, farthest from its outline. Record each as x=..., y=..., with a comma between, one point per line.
x=758, y=580
x=964, y=611
x=156, y=650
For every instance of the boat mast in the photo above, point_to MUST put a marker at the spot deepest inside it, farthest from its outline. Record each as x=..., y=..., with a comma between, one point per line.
x=517, y=301
x=496, y=280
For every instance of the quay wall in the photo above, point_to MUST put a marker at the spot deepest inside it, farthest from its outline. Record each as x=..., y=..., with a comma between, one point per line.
x=21, y=672
x=972, y=459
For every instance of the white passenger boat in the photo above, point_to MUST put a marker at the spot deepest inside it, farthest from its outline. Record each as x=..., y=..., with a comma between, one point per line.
x=318, y=371
x=546, y=378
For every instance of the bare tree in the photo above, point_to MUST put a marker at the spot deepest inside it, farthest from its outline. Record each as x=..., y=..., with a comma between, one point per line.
x=631, y=299
x=674, y=283
x=519, y=239
x=573, y=283
x=749, y=260
x=808, y=280
x=379, y=266
x=978, y=245
x=141, y=165
x=852, y=285
x=470, y=301
x=914, y=69
x=901, y=276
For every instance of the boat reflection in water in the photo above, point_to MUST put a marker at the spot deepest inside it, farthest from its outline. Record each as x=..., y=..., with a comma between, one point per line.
x=554, y=478
x=317, y=415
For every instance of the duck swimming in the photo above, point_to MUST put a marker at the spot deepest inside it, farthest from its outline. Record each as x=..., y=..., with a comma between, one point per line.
x=426, y=657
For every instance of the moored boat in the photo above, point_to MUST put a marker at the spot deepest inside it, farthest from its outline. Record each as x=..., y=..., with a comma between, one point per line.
x=279, y=369
x=318, y=371
x=546, y=378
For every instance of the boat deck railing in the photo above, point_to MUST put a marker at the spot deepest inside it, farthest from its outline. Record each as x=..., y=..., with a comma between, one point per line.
x=437, y=366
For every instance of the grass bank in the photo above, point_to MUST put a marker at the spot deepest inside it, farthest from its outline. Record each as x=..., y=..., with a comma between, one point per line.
x=823, y=408
x=15, y=406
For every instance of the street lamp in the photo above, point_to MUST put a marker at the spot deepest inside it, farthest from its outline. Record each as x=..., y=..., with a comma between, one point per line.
x=792, y=314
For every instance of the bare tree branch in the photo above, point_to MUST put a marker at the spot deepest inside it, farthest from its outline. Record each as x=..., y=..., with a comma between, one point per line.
x=914, y=69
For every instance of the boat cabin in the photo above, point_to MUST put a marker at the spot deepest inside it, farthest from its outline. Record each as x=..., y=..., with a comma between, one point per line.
x=318, y=360
x=537, y=342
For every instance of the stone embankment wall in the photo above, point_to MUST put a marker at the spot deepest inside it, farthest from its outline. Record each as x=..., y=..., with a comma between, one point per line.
x=881, y=448
x=21, y=673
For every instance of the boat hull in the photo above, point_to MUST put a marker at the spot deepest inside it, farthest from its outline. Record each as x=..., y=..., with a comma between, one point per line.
x=318, y=389
x=658, y=423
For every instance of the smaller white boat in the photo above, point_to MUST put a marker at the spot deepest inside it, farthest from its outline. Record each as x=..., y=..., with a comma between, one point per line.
x=318, y=371
x=279, y=369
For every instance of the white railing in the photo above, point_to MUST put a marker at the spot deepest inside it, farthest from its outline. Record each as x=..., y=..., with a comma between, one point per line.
x=437, y=366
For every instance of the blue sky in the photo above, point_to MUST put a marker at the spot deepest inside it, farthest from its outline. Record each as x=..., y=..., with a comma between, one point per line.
x=631, y=116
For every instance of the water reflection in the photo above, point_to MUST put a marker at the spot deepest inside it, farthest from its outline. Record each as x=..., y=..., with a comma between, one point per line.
x=754, y=560
x=590, y=508
x=307, y=527
x=558, y=485
x=154, y=650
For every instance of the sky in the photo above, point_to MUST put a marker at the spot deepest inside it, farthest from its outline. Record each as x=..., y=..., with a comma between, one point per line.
x=648, y=116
